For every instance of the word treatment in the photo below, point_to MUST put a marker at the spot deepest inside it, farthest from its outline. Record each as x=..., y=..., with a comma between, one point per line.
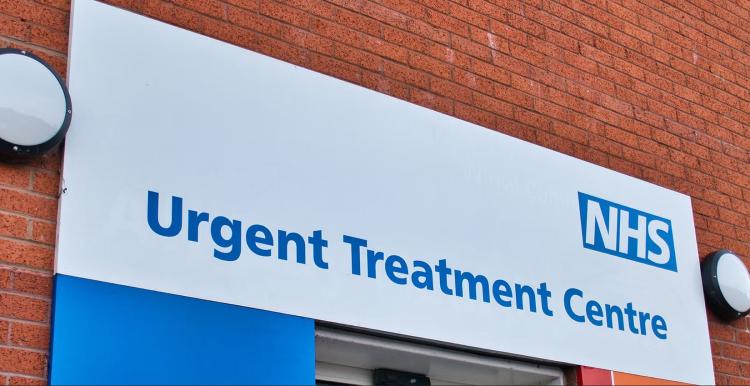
x=230, y=236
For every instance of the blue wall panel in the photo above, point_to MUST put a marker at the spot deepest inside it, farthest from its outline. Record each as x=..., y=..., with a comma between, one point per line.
x=111, y=334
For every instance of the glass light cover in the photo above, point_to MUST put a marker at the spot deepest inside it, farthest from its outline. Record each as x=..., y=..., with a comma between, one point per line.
x=734, y=281
x=32, y=101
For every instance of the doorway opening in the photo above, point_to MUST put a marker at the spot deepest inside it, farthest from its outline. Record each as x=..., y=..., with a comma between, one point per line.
x=352, y=358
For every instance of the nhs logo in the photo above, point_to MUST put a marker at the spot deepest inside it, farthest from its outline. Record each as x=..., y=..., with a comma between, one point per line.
x=629, y=233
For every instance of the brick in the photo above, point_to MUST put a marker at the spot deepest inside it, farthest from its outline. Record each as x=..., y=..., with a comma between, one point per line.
x=632, y=70
x=667, y=138
x=14, y=28
x=498, y=74
x=43, y=232
x=46, y=182
x=463, y=13
x=32, y=283
x=213, y=8
x=626, y=167
x=535, y=13
x=738, y=381
x=713, y=240
x=358, y=57
x=735, y=352
x=13, y=225
x=241, y=17
x=451, y=90
x=570, y=132
x=23, y=307
x=29, y=204
x=617, y=105
x=555, y=143
x=158, y=9
x=335, y=68
x=426, y=30
x=189, y=19
x=524, y=24
x=5, y=331
x=546, y=48
x=489, y=9
x=334, y=31
x=381, y=13
x=447, y=23
x=642, y=115
x=527, y=55
x=474, y=82
x=284, y=13
x=493, y=105
x=288, y=34
x=15, y=175
x=727, y=366
x=639, y=157
x=406, y=74
x=741, y=206
x=622, y=136
x=732, y=217
x=447, y=54
x=26, y=254
x=6, y=278
x=533, y=119
x=385, y=49
x=428, y=64
x=22, y=361
x=432, y=101
x=36, y=13
x=474, y=115
x=514, y=96
x=385, y=85
x=29, y=335
x=552, y=110
x=507, y=32
x=472, y=48
x=562, y=40
x=27, y=381
x=250, y=5
x=285, y=51
x=407, y=7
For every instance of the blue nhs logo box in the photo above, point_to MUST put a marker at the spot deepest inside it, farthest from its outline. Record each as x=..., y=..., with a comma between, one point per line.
x=625, y=232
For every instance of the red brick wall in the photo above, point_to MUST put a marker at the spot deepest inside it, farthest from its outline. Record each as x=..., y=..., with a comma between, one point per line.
x=659, y=90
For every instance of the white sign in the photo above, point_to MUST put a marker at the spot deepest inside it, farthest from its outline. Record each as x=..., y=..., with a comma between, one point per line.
x=197, y=168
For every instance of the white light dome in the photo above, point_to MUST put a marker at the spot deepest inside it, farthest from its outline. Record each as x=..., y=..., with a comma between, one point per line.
x=34, y=105
x=734, y=281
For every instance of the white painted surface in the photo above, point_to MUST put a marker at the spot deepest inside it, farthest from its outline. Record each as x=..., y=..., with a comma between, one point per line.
x=245, y=136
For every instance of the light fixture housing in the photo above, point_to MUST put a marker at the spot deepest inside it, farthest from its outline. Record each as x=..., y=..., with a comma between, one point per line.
x=726, y=283
x=35, y=106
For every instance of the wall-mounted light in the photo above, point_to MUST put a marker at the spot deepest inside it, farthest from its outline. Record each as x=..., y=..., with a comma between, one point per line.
x=726, y=283
x=35, y=108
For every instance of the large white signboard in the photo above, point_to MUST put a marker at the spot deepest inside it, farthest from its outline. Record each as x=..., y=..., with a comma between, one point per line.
x=197, y=168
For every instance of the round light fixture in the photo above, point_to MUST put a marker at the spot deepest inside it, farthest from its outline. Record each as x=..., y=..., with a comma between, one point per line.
x=35, y=108
x=726, y=283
